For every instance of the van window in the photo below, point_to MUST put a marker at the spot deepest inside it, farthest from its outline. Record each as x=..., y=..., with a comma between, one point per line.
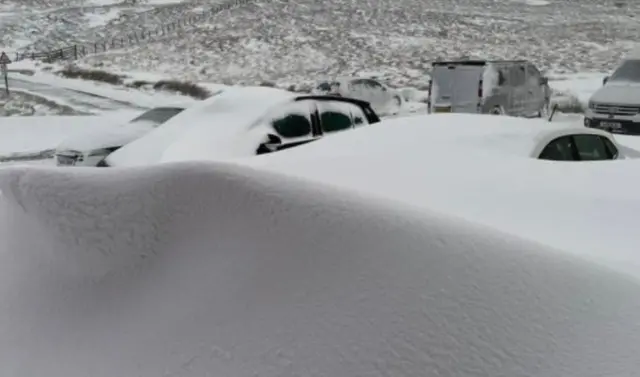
x=628, y=71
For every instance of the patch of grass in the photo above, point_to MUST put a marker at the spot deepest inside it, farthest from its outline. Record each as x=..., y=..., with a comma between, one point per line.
x=137, y=84
x=92, y=74
x=183, y=87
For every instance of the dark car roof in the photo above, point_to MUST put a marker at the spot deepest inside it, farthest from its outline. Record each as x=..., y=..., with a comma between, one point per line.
x=329, y=97
x=477, y=62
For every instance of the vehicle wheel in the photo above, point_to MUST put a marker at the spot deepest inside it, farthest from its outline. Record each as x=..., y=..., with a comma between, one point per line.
x=498, y=110
x=398, y=101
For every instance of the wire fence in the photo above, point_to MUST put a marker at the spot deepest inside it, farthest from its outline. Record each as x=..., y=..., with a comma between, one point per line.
x=80, y=50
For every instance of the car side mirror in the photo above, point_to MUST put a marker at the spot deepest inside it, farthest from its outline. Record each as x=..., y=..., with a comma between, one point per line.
x=544, y=81
x=605, y=79
x=270, y=145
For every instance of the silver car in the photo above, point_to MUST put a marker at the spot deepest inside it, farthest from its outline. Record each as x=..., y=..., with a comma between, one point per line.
x=500, y=87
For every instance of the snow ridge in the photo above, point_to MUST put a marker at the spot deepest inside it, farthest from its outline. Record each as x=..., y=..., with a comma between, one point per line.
x=216, y=269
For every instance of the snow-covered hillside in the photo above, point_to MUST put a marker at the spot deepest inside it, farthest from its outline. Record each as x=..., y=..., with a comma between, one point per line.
x=295, y=41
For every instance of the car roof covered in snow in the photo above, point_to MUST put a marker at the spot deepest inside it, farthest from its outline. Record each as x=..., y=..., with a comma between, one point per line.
x=488, y=133
x=235, y=105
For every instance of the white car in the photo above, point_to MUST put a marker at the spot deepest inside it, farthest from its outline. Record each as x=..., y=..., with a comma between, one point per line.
x=244, y=121
x=91, y=147
x=384, y=100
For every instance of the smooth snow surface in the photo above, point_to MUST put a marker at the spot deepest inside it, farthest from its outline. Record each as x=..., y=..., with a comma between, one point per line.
x=107, y=136
x=216, y=270
x=39, y=133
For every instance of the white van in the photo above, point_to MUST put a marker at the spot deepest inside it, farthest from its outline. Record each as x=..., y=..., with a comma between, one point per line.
x=615, y=107
x=499, y=87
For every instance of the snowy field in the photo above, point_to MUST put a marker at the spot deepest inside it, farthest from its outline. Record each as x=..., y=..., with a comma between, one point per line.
x=294, y=42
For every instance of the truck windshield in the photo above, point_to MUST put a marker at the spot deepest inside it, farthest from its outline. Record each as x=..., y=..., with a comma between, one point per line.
x=628, y=71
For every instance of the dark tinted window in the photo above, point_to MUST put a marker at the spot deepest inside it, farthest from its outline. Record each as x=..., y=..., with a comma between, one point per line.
x=560, y=149
x=328, y=86
x=293, y=125
x=628, y=71
x=369, y=83
x=158, y=115
x=591, y=148
x=333, y=121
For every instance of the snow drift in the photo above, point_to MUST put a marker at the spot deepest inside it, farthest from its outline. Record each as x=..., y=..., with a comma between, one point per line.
x=477, y=167
x=221, y=270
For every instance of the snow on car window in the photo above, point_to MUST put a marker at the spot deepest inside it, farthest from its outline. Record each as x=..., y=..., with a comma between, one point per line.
x=628, y=71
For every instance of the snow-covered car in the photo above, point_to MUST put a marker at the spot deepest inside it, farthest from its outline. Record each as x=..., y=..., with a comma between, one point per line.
x=382, y=98
x=470, y=134
x=245, y=121
x=91, y=147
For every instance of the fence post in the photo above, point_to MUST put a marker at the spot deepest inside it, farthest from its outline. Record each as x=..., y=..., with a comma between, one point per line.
x=75, y=51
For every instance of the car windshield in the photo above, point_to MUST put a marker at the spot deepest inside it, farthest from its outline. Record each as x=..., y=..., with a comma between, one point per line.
x=628, y=71
x=327, y=86
x=158, y=115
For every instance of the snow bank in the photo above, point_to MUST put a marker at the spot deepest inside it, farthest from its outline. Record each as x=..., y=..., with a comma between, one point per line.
x=213, y=127
x=457, y=164
x=579, y=86
x=194, y=270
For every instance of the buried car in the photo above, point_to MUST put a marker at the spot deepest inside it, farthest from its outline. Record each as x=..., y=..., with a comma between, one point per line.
x=91, y=147
x=245, y=121
x=382, y=98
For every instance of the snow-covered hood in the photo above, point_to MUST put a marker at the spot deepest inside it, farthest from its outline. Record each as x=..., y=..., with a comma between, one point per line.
x=106, y=136
x=623, y=93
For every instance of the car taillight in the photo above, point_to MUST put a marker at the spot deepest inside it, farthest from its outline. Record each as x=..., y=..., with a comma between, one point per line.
x=480, y=89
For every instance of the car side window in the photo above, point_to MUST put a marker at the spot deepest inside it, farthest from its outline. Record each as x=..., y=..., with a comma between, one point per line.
x=369, y=83
x=560, y=149
x=293, y=120
x=339, y=116
x=591, y=148
x=613, y=150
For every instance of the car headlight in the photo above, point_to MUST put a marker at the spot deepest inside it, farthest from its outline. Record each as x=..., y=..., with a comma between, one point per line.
x=591, y=105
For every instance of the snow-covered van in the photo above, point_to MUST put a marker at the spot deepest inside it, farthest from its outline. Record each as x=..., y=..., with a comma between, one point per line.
x=500, y=87
x=615, y=107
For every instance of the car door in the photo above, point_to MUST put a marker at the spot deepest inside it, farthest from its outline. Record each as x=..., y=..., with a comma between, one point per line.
x=518, y=89
x=338, y=116
x=535, y=90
